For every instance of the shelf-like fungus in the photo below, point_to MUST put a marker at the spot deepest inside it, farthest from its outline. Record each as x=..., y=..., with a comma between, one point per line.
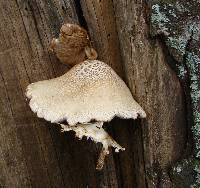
x=85, y=97
x=73, y=45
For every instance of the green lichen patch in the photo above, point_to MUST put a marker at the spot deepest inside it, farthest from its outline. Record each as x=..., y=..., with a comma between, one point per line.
x=182, y=173
x=182, y=72
x=178, y=44
x=179, y=22
x=193, y=64
x=174, y=20
x=159, y=20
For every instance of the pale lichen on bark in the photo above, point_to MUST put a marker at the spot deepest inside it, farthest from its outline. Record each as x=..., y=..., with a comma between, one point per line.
x=178, y=22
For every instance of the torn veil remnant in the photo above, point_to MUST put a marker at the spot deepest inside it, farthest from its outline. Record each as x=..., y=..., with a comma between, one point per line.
x=88, y=95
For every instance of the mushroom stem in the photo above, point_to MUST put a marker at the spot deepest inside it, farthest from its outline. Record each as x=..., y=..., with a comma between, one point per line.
x=95, y=132
x=101, y=159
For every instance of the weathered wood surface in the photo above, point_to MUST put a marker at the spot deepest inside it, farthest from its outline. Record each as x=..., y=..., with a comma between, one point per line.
x=33, y=153
x=100, y=18
x=157, y=89
x=152, y=82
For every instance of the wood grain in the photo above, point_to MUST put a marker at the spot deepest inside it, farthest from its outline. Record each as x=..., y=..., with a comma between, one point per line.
x=101, y=24
x=156, y=88
x=33, y=152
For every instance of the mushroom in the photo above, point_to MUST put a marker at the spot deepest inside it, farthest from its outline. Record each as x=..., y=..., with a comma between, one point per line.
x=73, y=45
x=85, y=97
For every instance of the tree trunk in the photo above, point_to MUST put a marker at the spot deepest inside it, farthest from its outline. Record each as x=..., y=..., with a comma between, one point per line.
x=33, y=152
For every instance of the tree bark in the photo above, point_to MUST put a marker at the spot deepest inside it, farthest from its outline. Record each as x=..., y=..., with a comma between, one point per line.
x=33, y=152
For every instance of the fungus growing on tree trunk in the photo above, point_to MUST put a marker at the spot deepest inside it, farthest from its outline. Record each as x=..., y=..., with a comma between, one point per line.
x=73, y=45
x=85, y=97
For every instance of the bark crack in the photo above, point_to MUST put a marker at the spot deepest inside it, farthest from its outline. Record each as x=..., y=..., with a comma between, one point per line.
x=80, y=15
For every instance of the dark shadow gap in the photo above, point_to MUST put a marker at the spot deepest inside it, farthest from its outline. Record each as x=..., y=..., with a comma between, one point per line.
x=80, y=15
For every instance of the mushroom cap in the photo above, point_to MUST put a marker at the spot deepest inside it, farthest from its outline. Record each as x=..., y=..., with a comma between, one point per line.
x=89, y=91
x=73, y=45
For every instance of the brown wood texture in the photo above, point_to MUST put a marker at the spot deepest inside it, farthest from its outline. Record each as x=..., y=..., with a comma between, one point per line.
x=156, y=88
x=33, y=152
x=120, y=33
x=101, y=24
